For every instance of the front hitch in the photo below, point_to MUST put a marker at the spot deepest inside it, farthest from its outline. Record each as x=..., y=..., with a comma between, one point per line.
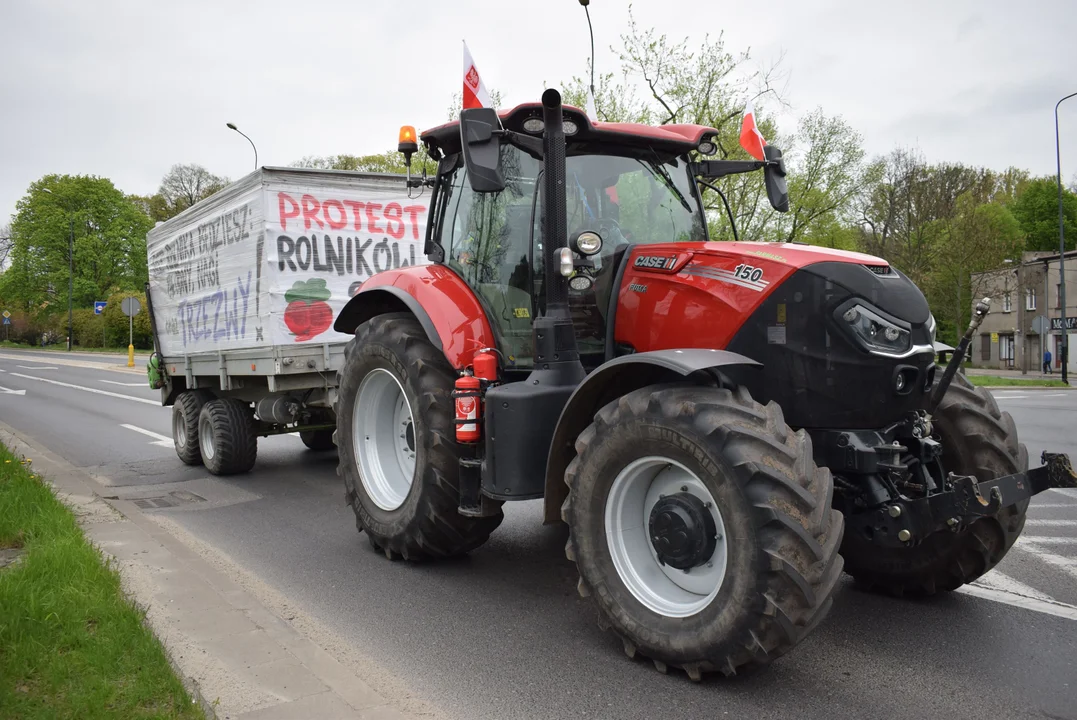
x=906, y=522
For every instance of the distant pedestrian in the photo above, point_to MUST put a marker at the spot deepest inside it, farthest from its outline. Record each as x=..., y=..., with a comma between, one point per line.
x=1047, y=363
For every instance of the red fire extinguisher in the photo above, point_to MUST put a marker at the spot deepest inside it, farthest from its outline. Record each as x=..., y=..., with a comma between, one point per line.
x=467, y=397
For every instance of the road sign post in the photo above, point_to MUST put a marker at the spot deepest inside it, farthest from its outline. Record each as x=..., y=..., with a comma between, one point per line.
x=98, y=308
x=130, y=307
x=7, y=325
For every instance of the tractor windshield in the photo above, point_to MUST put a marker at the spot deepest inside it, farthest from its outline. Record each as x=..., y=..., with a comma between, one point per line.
x=631, y=200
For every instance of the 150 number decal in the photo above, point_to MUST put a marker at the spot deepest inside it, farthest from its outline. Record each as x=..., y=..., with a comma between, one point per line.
x=748, y=272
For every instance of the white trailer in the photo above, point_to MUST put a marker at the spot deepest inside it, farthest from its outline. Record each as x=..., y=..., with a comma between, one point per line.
x=243, y=290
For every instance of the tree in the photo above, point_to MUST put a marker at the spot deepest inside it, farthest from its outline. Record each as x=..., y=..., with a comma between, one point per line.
x=5, y=245
x=390, y=161
x=1036, y=208
x=978, y=237
x=109, y=243
x=181, y=187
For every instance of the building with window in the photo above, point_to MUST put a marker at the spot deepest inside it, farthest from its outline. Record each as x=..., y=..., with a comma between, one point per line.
x=1026, y=313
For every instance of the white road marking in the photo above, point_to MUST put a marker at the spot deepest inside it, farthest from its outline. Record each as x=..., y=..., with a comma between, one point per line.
x=37, y=367
x=1034, y=540
x=1037, y=522
x=1053, y=607
x=1054, y=506
x=161, y=440
x=998, y=581
x=137, y=384
x=89, y=389
x=9, y=391
x=1067, y=565
x=1010, y=397
x=1068, y=492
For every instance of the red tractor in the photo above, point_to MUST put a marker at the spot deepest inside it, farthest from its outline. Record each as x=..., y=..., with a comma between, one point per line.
x=724, y=426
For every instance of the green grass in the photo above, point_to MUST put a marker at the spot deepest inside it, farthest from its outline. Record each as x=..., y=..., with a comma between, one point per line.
x=63, y=348
x=71, y=644
x=995, y=381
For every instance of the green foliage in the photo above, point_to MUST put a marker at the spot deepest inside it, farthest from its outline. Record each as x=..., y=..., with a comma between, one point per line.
x=390, y=161
x=117, y=324
x=109, y=244
x=1036, y=208
x=73, y=645
x=88, y=328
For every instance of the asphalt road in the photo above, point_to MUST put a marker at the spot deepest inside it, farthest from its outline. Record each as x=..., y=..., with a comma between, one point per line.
x=502, y=632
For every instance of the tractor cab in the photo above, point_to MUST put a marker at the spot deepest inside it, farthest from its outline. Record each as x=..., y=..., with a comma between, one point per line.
x=625, y=185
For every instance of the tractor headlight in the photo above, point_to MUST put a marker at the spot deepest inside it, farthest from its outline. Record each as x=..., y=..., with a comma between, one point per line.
x=874, y=333
x=586, y=243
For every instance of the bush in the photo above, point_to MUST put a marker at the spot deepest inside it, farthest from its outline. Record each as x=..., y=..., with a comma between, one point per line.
x=34, y=328
x=88, y=328
x=116, y=323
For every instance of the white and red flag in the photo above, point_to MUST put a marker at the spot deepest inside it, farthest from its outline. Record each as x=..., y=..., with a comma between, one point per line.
x=750, y=137
x=475, y=94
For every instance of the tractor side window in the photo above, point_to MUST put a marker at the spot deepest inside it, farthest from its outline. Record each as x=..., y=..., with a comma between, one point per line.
x=489, y=246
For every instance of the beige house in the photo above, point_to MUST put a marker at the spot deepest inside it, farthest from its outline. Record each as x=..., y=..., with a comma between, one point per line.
x=1026, y=315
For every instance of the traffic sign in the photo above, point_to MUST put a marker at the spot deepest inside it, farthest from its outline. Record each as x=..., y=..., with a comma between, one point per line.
x=130, y=306
x=6, y=314
x=99, y=306
x=7, y=321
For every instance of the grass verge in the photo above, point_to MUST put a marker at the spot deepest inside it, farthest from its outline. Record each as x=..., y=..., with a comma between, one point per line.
x=71, y=644
x=62, y=348
x=996, y=381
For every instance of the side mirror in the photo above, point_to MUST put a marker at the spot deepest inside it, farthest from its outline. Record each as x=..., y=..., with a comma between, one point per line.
x=774, y=175
x=482, y=149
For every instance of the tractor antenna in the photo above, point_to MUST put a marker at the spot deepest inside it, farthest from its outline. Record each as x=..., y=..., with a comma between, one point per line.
x=591, y=30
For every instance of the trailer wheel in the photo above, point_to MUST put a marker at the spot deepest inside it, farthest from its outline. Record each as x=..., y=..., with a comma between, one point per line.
x=702, y=527
x=977, y=439
x=226, y=436
x=396, y=437
x=318, y=440
x=185, y=424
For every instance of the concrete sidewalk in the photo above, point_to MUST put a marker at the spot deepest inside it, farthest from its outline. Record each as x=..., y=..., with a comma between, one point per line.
x=239, y=659
x=1030, y=375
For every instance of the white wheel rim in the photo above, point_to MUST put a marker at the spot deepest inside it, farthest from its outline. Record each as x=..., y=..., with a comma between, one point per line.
x=205, y=439
x=661, y=588
x=383, y=437
x=179, y=429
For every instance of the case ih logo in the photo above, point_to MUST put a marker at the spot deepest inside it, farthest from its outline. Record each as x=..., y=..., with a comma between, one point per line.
x=472, y=77
x=656, y=262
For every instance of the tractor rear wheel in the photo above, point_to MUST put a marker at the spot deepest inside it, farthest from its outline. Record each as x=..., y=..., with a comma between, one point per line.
x=977, y=439
x=702, y=527
x=185, y=413
x=397, y=443
x=226, y=436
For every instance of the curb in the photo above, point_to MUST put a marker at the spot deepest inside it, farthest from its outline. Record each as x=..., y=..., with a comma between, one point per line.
x=220, y=639
x=68, y=362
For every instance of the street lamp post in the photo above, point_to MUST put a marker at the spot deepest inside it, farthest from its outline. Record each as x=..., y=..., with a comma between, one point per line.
x=1062, y=251
x=232, y=126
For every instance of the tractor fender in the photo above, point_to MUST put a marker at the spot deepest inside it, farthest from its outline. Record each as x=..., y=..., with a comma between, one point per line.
x=608, y=382
x=446, y=308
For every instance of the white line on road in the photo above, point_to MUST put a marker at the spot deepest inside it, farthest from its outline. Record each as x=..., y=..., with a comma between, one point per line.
x=9, y=391
x=37, y=367
x=1037, y=522
x=1035, y=540
x=1054, y=607
x=1068, y=492
x=89, y=389
x=1054, y=506
x=162, y=440
x=998, y=581
x=1067, y=565
x=137, y=384
x=1010, y=397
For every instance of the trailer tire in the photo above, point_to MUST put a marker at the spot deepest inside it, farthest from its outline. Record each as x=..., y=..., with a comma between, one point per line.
x=780, y=566
x=978, y=439
x=185, y=424
x=226, y=436
x=318, y=440
x=417, y=517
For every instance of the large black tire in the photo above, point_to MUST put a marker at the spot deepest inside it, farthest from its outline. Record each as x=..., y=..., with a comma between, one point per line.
x=782, y=564
x=318, y=440
x=977, y=439
x=185, y=412
x=427, y=525
x=230, y=423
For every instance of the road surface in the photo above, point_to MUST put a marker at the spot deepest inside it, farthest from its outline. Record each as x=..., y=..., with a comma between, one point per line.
x=502, y=632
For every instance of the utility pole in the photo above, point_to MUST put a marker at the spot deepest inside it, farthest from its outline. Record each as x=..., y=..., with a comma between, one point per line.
x=1062, y=252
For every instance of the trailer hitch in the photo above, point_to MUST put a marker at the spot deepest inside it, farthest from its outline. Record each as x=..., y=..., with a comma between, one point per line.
x=907, y=522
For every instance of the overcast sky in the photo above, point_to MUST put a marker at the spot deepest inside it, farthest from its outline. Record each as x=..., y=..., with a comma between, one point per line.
x=125, y=88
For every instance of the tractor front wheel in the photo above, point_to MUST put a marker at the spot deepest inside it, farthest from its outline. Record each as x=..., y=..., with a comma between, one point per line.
x=397, y=443
x=702, y=527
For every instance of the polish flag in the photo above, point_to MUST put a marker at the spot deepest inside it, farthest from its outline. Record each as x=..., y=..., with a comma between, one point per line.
x=475, y=94
x=750, y=137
